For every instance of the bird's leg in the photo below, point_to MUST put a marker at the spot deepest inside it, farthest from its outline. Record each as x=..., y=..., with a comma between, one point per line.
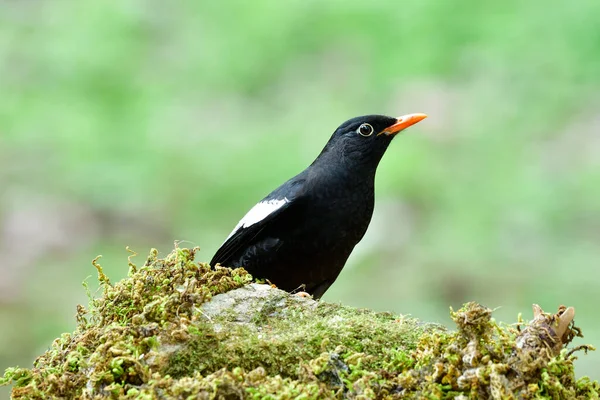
x=300, y=292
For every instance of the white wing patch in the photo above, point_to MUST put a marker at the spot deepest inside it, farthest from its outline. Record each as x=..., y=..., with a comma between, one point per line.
x=258, y=213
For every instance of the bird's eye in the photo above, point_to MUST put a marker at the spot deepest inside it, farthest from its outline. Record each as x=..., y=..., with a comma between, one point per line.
x=365, y=130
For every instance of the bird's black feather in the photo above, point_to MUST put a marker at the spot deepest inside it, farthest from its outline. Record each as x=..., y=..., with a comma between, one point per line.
x=243, y=237
x=302, y=233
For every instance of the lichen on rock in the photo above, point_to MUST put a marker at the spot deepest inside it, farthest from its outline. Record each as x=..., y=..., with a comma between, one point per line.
x=177, y=329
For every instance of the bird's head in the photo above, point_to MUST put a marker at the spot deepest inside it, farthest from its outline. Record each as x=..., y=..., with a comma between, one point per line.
x=362, y=141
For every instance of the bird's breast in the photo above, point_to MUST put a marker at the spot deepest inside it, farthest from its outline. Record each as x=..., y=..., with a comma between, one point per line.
x=339, y=218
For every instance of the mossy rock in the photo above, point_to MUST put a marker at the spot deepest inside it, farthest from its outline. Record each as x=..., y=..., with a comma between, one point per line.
x=177, y=329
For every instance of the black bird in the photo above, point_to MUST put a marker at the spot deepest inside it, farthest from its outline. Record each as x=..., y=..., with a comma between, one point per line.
x=300, y=235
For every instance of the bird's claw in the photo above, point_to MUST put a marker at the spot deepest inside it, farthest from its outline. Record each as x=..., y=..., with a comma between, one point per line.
x=303, y=295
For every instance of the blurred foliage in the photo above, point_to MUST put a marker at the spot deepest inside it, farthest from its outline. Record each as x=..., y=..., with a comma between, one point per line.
x=141, y=123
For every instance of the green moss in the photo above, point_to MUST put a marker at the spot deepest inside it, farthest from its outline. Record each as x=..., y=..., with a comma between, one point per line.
x=295, y=333
x=175, y=329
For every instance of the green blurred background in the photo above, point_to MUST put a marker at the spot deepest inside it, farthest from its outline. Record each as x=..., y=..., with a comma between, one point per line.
x=141, y=123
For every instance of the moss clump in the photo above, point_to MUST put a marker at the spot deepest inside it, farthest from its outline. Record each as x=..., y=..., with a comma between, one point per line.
x=178, y=329
x=277, y=332
x=105, y=354
x=483, y=360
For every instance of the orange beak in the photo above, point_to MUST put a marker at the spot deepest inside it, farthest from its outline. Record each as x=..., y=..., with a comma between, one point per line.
x=403, y=122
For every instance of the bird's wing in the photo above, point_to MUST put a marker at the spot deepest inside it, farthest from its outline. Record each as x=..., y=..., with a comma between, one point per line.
x=258, y=218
